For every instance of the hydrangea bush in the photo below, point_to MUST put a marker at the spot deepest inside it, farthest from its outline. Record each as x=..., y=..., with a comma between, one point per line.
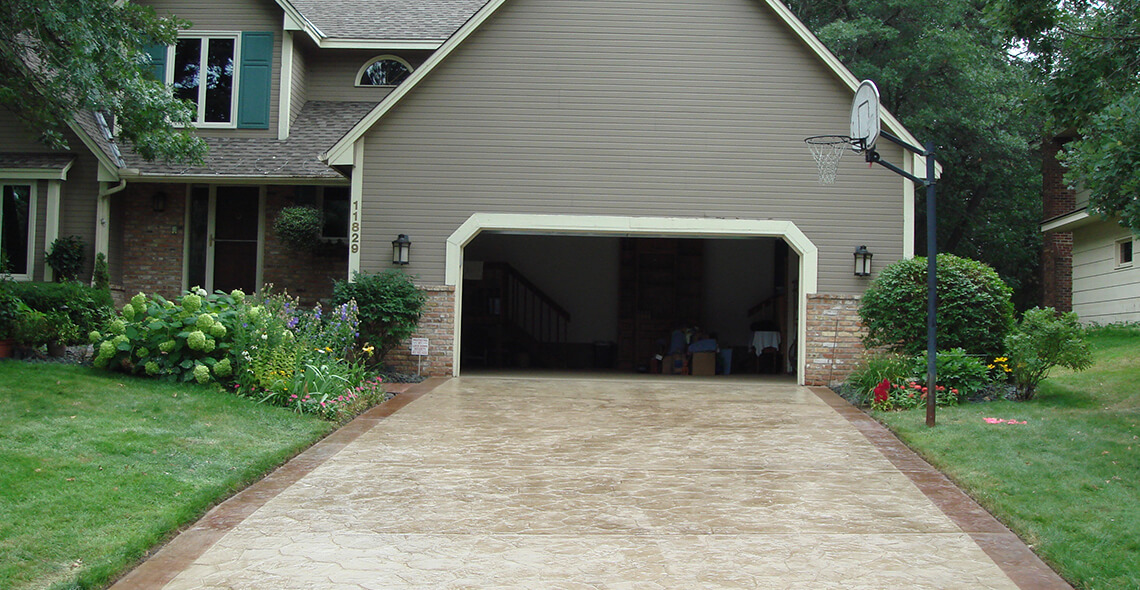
x=268, y=348
x=184, y=340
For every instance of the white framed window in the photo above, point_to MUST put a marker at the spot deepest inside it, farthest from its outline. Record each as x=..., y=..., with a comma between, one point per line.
x=384, y=70
x=204, y=71
x=17, y=226
x=1124, y=250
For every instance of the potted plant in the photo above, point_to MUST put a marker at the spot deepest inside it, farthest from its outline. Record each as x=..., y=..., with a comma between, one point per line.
x=58, y=332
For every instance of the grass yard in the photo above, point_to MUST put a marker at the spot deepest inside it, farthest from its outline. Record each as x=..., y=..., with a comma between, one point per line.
x=1067, y=481
x=96, y=468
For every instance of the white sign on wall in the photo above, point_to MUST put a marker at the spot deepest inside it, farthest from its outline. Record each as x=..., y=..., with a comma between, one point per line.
x=419, y=346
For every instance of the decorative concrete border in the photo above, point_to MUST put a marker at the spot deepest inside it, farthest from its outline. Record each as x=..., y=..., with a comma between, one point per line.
x=1007, y=550
x=161, y=567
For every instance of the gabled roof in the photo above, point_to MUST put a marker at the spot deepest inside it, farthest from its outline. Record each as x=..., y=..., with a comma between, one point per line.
x=341, y=153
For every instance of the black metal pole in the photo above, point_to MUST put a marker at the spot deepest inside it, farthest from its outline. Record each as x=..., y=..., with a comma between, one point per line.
x=931, y=290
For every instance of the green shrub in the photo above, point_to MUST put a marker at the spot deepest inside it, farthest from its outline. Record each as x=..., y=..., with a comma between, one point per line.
x=299, y=228
x=390, y=305
x=32, y=328
x=101, y=277
x=65, y=257
x=959, y=374
x=1043, y=340
x=9, y=311
x=87, y=307
x=974, y=309
x=175, y=340
x=871, y=371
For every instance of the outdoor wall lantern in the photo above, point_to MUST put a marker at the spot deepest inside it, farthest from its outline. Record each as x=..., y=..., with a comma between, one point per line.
x=158, y=202
x=401, y=249
x=862, y=262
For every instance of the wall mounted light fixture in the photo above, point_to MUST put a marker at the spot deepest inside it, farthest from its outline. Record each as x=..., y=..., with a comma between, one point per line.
x=862, y=262
x=401, y=250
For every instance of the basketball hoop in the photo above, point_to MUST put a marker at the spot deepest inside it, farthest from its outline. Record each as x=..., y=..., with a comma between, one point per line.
x=827, y=150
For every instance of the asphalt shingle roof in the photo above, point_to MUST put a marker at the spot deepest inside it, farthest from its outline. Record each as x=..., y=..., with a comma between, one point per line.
x=319, y=125
x=405, y=20
x=22, y=161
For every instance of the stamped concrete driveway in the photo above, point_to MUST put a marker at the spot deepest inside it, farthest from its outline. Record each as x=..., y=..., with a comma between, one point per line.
x=602, y=483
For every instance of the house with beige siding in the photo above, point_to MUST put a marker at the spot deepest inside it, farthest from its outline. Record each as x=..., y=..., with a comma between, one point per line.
x=1087, y=260
x=580, y=183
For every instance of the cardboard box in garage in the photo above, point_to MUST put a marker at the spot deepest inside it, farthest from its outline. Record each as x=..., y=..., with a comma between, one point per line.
x=704, y=364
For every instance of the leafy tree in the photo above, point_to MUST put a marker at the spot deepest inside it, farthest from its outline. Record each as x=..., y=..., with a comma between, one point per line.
x=1087, y=54
x=946, y=72
x=59, y=57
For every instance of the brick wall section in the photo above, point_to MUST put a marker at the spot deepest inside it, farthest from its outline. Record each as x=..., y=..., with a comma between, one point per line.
x=152, y=241
x=304, y=275
x=437, y=325
x=834, y=338
x=1057, y=247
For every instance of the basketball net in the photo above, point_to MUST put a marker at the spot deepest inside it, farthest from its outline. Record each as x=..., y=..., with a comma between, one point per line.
x=827, y=150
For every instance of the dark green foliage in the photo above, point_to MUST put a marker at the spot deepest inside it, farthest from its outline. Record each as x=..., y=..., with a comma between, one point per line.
x=101, y=277
x=1042, y=340
x=62, y=57
x=389, y=303
x=946, y=71
x=1107, y=161
x=1087, y=59
x=974, y=308
x=88, y=308
x=956, y=371
x=299, y=228
x=65, y=257
x=9, y=310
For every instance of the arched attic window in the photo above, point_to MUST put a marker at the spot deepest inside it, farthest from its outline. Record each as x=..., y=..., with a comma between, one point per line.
x=386, y=70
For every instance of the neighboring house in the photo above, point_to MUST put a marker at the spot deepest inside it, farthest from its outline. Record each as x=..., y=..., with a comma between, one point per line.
x=1087, y=260
x=576, y=178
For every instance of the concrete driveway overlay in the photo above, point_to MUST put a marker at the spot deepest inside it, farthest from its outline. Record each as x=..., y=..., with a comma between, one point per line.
x=630, y=482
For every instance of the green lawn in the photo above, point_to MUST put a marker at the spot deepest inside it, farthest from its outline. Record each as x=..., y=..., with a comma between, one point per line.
x=1067, y=481
x=96, y=468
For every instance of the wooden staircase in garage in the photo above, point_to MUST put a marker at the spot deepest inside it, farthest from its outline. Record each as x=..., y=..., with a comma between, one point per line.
x=509, y=322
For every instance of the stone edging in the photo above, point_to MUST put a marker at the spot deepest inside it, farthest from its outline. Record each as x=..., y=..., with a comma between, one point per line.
x=1007, y=550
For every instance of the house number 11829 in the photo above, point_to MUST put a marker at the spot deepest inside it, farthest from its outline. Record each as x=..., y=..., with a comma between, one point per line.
x=354, y=229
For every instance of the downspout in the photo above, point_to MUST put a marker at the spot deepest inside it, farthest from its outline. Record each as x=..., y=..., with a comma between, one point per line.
x=102, y=223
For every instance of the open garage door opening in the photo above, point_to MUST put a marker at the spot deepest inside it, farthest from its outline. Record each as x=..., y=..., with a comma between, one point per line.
x=686, y=305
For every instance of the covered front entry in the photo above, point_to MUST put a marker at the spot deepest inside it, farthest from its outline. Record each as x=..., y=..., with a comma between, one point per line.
x=629, y=293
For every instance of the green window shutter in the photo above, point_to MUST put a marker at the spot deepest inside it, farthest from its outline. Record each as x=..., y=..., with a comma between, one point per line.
x=256, y=76
x=157, y=55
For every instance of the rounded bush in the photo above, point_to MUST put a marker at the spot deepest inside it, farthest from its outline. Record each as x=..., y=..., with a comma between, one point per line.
x=65, y=257
x=299, y=228
x=974, y=307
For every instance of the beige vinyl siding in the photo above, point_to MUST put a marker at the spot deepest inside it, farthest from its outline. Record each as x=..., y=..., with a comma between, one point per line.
x=632, y=108
x=1103, y=293
x=298, y=92
x=332, y=73
x=238, y=16
x=16, y=138
x=79, y=196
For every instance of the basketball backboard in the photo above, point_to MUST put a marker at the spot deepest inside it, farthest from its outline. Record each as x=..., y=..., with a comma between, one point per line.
x=865, y=123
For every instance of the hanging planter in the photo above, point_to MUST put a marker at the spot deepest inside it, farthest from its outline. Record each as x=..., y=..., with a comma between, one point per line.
x=299, y=228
